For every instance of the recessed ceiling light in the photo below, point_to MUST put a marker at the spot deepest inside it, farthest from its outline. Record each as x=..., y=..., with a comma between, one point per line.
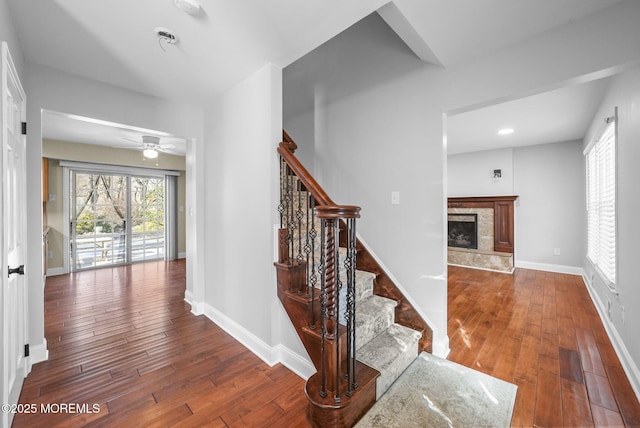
x=505, y=131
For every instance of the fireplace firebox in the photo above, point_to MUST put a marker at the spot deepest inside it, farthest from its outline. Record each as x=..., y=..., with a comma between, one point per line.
x=463, y=230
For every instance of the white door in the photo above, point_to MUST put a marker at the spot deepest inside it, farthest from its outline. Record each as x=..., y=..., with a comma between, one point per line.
x=13, y=291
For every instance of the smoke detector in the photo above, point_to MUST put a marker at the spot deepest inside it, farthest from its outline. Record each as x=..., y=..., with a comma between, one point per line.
x=192, y=7
x=166, y=35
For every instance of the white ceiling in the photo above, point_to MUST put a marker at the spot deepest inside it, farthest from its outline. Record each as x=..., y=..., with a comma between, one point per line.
x=78, y=129
x=113, y=41
x=561, y=115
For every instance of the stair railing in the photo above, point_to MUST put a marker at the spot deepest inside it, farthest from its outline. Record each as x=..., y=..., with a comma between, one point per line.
x=315, y=262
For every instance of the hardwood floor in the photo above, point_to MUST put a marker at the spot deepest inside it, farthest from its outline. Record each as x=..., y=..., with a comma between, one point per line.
x=540, y=331
x=124, y=340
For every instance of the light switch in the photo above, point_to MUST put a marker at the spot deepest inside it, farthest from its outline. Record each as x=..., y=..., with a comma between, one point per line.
x=395, y=197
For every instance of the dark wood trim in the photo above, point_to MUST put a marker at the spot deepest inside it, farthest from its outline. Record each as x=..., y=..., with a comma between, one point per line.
x=503, y=217
x=321, y=197
x=337, y=211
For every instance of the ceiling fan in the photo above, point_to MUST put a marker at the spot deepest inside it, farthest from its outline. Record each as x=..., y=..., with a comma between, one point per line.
x=150, y=146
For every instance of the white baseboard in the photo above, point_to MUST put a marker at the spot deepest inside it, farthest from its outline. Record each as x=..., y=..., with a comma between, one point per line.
x=294, y=362
x=55, y=271
x=197, y=308
x=548, y=267
x=182, y=255
x=39, y=353
x=629, y=366
x=271, y=355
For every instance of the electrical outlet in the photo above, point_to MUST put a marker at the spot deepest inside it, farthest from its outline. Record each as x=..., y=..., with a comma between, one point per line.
x=49, y=254
x=395, y=197
x=609, y=309
x=556, y=251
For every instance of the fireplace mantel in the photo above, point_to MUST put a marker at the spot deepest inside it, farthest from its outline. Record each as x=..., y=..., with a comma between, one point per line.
x=503, y=217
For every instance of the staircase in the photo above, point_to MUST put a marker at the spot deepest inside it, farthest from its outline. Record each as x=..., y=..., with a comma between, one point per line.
x=359, y=330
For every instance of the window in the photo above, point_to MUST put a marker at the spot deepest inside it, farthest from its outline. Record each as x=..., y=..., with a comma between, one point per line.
x=601, y=202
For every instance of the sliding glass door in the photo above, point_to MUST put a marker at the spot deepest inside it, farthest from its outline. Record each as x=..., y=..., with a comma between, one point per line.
x=147, y=218
x=115, y=219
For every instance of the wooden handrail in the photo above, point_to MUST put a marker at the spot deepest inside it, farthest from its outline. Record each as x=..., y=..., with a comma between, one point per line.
x=303, y=175
x=337, y=211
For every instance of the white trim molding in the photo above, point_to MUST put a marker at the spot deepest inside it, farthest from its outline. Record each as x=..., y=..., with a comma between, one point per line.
x=197, y=308
x=548, y=267
x=39, y=353
x=629, y=366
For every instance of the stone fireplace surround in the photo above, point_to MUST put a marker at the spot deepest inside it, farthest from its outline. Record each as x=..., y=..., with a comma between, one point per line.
x=495, y=233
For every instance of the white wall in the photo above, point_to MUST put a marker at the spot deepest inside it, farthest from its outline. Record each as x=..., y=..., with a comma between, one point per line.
x=50, y=89
x=242, y=131
x=471, y=174
x=550, y=209
x=8, y=34
x=549, y=212
x=625, y=94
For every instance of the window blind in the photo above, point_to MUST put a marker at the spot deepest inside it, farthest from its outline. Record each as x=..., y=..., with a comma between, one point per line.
x=601, y=203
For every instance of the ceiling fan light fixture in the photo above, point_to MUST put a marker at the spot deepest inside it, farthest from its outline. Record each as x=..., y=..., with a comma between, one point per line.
x=150, y=153
x=150, y=139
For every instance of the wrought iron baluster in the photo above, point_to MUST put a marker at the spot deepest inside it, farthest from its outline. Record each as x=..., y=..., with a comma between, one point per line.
x=299, y=257
x=313, y=276
x=323, y=306
x=290, y=225
x=333, y=247
x=283, y=166
x=350, y=266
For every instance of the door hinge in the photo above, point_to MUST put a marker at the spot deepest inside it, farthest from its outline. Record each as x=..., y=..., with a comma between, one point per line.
x=24, y=128
x=19, y=270
x=26, y=350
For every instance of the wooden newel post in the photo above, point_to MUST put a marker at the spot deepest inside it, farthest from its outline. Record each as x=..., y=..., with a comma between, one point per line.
x=331, y=355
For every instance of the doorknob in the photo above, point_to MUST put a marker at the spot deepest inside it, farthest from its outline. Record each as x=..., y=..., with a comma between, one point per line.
x=19, y=270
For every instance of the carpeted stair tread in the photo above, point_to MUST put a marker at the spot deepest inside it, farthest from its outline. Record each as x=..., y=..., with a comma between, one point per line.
x=373, y=316
x=364, y=285
x=390, y=353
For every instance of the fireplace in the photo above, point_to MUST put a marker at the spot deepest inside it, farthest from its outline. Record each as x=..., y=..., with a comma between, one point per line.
x=463, y=230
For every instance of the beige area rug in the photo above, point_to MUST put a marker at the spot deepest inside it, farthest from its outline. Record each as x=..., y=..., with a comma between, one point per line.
x=433, y=392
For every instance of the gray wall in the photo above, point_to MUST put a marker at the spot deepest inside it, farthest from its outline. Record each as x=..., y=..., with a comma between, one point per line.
x=625, y=94
x=471, y=174
x=550, y=210
x=8, y=34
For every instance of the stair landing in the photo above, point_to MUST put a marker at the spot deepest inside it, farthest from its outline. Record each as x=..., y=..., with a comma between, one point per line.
x=433, y=392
